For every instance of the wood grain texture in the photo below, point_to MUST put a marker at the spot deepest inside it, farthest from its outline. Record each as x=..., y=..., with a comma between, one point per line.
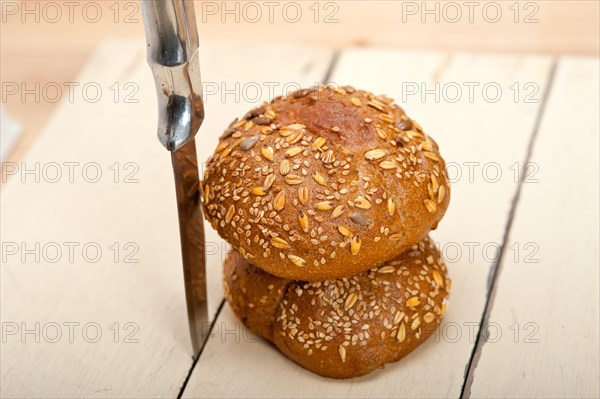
x=481, y=131
x=549, y=294
x=148, y=293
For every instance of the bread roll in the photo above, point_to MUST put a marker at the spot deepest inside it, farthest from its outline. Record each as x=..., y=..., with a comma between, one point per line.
x=324, y=183
x=347, y=327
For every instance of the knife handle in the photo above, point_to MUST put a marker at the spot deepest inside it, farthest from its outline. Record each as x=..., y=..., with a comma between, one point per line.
x=172, y=53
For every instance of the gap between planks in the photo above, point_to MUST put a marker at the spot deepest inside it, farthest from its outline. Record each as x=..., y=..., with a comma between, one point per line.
x=497, y=266
x=191, y=370
x=328, y=73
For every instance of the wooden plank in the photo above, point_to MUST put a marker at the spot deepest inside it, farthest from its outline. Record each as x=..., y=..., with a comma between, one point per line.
x=467, y=131
x=151, y=356
x=547, y=298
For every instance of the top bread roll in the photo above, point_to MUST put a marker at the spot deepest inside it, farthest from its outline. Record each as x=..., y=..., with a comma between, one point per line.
x=324, y=183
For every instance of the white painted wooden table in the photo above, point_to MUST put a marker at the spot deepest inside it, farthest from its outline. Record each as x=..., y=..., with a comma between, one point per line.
x=522, y=247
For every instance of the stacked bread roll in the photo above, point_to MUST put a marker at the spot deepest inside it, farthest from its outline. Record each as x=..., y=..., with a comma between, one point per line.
x=327, y=196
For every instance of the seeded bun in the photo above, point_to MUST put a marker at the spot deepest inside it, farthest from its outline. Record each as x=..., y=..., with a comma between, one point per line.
x=324, y=183
x=347, y=327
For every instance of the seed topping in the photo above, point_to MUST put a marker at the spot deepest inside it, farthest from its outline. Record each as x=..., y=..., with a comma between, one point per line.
x=355, y=245
x=248, y=143
x=377, y=153
x=430, y=205
x=324, y=205
x=267, y=153
x=279, y=201
x=360, y=219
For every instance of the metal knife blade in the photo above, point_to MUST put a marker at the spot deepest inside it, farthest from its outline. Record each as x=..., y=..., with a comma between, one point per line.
x=172, y=54
x=191, y=228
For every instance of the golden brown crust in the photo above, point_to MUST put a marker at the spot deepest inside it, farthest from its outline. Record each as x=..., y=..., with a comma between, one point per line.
x=253, y=294
x=347, y=327
x=325, y=184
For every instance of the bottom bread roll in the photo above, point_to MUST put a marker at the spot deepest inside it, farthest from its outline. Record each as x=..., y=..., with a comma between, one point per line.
x=347, y=327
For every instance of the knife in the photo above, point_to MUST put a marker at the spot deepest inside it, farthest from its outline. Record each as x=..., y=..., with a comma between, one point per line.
x=172, y=53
